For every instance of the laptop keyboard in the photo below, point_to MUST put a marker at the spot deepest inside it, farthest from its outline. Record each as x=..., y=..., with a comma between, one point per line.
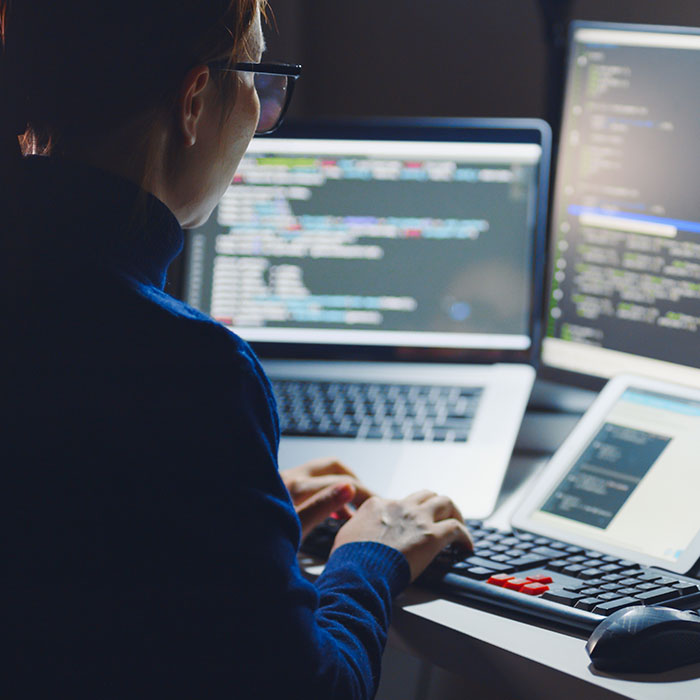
x=369, y=411
x=538, y=577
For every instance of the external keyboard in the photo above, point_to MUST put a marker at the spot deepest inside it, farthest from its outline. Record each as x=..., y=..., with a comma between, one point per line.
x=369, y=411
x=541, y=578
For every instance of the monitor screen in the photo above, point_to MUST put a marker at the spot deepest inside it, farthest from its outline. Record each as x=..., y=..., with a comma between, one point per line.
x=624, y=290
x=372, y=241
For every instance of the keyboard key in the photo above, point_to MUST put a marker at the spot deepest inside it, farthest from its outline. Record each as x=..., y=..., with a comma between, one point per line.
x=610, y=606
x=478, y=573
x=658, y=595
x=647, y=586
x=666, y=581
x=539, y=578
x=577, y=559
x=557, y=565
x=534, y=588
x=515, y=584
x=573, y=569
x=613, y=578
x=588, y=603
x=562, y=596
x=685, y=588
x=576, y=587
x=546, y=552
x=593, y=591
x=595, y=582
x=644, y=576
x=528, y=560
x=589, y=573
x=628, y=591
x=499, y=579
x=499, y=548
x=610, y=568
x=496, y=537
x=493, y=565
x=501, y=558
x=573, y=549
x=630, y=581
x=609, y=596
x=611, y=587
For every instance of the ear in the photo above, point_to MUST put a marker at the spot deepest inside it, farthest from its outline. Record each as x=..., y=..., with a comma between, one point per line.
x=191, y=103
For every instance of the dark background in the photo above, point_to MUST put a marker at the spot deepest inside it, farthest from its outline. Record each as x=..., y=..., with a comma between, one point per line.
x=471, y=58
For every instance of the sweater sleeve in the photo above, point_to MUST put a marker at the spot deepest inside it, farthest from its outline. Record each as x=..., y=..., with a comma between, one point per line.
x=240, y=612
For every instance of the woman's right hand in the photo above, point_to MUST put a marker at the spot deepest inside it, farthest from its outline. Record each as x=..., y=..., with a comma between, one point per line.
x=419, y=526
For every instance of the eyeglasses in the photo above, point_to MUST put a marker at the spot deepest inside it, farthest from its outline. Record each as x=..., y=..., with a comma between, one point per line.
x=274, y=83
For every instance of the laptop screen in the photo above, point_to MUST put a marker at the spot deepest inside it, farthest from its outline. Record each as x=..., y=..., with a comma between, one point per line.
x=625, y=280
x=376, y=241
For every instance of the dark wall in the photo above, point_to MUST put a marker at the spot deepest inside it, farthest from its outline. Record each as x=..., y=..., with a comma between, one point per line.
x=446, y=58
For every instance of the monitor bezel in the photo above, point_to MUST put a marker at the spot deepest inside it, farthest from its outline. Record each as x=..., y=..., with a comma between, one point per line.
x=534, y=131
x=547, y=371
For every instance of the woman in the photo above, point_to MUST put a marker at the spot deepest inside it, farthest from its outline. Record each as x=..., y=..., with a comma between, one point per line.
x=151, y=541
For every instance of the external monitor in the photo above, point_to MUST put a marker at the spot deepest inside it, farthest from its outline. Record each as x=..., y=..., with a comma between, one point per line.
x=624, y=278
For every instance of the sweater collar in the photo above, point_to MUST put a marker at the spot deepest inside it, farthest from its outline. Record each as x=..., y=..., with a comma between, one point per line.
x=103, y=218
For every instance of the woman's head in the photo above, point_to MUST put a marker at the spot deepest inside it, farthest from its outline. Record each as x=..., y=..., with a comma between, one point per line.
x=90, y=79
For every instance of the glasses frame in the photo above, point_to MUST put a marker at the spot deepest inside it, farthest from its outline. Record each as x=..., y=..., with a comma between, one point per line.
x=291, y=70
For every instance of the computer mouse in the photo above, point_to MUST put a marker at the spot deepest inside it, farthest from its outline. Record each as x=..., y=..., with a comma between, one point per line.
x=643, y=639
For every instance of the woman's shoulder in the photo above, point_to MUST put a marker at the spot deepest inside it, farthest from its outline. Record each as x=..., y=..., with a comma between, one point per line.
x=198, y=343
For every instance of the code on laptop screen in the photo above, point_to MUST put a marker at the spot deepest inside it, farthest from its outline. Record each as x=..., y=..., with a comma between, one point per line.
x=405, y=243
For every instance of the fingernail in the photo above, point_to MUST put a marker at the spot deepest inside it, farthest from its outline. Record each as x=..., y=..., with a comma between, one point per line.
x=344, y=491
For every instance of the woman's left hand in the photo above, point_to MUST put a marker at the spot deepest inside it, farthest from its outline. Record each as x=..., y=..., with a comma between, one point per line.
x=322, y=488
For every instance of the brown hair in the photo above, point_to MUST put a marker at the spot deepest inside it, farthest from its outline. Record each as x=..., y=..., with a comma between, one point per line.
x=77, y=69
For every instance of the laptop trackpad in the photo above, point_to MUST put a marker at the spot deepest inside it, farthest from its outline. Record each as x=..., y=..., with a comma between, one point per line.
x=375, y=467
x=397, y=469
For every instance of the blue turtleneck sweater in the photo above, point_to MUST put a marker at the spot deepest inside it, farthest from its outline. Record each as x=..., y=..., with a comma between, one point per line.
x=150, y=544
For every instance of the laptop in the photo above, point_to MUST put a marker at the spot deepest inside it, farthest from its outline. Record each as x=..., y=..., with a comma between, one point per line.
x=389, y=276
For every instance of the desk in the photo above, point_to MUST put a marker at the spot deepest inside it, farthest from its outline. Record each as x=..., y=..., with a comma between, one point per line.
x=440, y=649
x=489, y=657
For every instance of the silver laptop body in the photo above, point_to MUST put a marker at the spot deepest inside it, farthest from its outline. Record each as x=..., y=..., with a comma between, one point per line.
x=399, y=258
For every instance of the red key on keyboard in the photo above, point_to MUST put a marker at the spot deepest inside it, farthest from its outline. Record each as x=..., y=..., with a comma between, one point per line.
x=499, y=579
x=515, y=584
x=540, y=578
x=534, y=588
